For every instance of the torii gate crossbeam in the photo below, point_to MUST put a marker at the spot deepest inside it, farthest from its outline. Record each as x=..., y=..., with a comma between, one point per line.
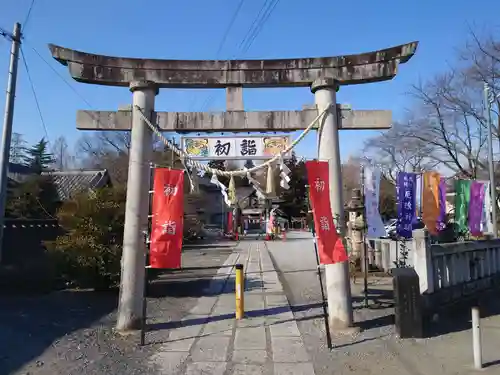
x=347, y=70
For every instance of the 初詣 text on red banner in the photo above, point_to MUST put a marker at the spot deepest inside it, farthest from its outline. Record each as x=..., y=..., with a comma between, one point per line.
x=167, y=218
x=330, y=247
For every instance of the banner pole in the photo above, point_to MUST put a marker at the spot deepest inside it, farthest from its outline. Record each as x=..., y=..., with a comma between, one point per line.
x=421, y=197
x=318, y=267
x=147, y=245
x=365, y=247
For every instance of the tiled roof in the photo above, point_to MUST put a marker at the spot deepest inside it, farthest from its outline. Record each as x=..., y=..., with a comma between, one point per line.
x=69, y=183
x=205, y=184
x=18, y=172
x=244, y=192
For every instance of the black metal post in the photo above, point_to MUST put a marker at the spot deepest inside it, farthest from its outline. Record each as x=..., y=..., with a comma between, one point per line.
x=147, y=239
x=324, y=302
x=397, y=251
x=144, y=308
x=363, y=237
x=323, y=299
x=365, y=273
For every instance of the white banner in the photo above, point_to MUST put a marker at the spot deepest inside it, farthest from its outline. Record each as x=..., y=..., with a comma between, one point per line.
x=376, y=227
x=418, y=192
x=486, y=223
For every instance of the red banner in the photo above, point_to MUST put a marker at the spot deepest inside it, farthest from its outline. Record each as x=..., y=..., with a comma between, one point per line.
x=229, y=222
x=330, y=247
x=168, y=218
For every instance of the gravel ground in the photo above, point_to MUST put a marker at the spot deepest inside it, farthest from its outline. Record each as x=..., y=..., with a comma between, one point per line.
x=376, y=350
x=71, y=332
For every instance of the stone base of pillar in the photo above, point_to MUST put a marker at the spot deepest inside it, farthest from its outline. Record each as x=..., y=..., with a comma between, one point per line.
x=340, y=332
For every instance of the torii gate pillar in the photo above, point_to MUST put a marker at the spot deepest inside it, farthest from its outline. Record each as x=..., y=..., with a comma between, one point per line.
x=337, y=275
x=136, y=208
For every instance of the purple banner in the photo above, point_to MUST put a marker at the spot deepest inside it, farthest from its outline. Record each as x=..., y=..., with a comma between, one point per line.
x=476, y=208
x=406, y=189
x=442, y=205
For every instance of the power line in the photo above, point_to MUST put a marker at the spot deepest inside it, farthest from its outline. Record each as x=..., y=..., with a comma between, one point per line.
x=253, y=31
x=28, y=14
x=225, y=35
x=62, y=78
x=259, y=28
x=35, y=96
x=229, y=26
x=255, y=22
x=6, y=34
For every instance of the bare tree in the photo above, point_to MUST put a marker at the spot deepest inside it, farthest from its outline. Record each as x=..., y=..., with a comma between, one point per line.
x=110, y=150
x=351, y=172
x=481, y=60
x=448, y=116
x=17, y=148
x=445, y=128
x=395, y=151
x=106, y=150
x=64, y=160
x=98, y=144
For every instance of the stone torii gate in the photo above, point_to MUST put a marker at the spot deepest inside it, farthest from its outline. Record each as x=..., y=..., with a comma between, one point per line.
x=144, y=77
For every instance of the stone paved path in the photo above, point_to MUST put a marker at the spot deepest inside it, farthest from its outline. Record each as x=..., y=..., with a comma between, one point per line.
x=210, y=341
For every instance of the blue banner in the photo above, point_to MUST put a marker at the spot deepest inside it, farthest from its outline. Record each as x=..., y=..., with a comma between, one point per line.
x=406, y=185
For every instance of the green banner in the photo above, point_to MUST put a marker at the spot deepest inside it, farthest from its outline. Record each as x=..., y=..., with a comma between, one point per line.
x=462, y=199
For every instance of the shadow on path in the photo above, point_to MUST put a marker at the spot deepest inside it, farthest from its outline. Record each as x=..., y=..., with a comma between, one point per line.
x=455, y=318
x=194, y=287
x=206, y=246
x=72, y=324
x=459, y=318
x=492, y=363
x=29, y=325
x=249, y=314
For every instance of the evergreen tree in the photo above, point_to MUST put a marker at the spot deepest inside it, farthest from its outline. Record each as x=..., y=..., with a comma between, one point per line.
x=249, y=164
x=35, y=198
x=220, y=165
x=294, y=199
x=38, y=158
x=217, y=164
x=387, y=205
x=88, y=252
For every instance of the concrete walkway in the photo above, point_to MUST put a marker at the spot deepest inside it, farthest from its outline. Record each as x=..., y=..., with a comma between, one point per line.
x=210, y=341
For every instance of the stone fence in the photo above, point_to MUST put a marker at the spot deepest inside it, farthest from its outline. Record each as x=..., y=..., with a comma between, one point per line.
x=23, y=239
x=384, y=253
x=454, y=271
x=447, y=272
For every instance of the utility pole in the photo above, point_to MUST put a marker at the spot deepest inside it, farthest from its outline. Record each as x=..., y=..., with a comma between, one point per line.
x=7, y=123
x=487, y=105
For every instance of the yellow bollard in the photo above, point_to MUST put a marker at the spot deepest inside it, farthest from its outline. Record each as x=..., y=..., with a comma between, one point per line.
x=239, y=287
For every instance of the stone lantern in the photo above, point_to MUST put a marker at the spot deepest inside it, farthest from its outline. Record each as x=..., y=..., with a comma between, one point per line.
x=356, y=223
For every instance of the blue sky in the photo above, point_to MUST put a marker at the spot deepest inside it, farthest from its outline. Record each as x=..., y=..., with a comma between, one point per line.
x=193, y=29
